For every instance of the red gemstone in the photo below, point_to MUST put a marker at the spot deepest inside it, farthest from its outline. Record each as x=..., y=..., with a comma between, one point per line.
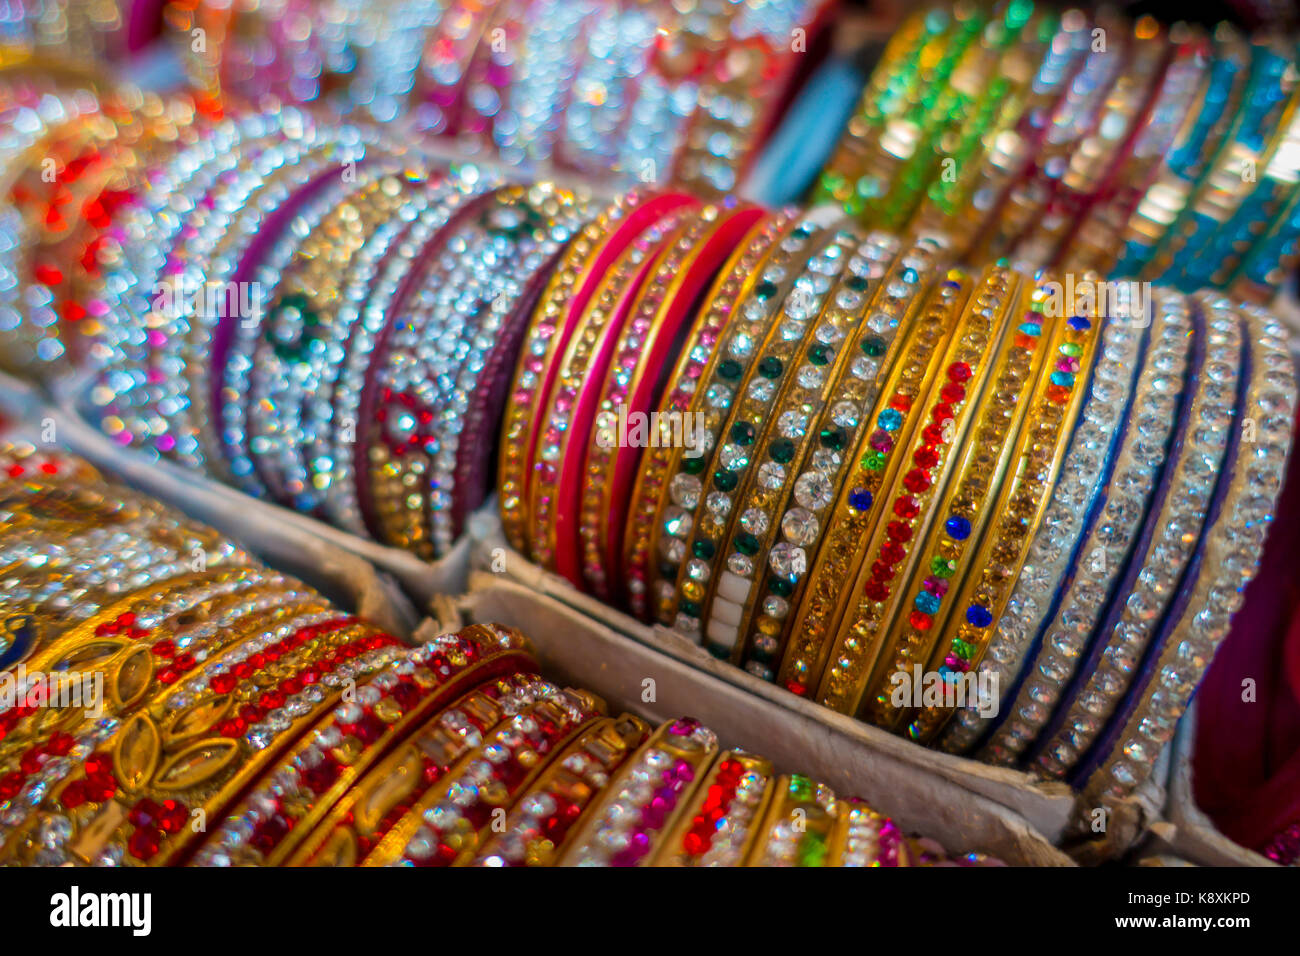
x=959, y=372
x=952, y=393
x=920, y=620
x=900, y=402
x=917, y=480
x=934, y=435
x=1058, y=394
x=795, y=687
x=891, y=552
x=145, y=842
x=907, y=507
x=223, y=683
x=876, y=590
x=10, y=784
x=927, y=456
x=941, y=413
x=74, y=794
x=899, y=531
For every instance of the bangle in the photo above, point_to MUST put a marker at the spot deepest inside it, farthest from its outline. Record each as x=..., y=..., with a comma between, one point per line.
x=728, y=600
x=571, y=407
x=662, y=313
x=696, y=393
x=863, y=837
x=446, y=826
x=721, y=824
x=983, y=340
x=1070, y=609
x=345, y=470
x=278, y=816
x=1022, y=503
x=1242, y=507
x=369, y=810
x=274, y=353
x=755, y=311
x=1107, y=145
x=1162, y=554
x=847, y=529
x=537, y=830
x=948, y=553
x=902, y=301
x=799, y=825
x=749, y=421
x=1093, y=246
x=573, y=284
x=643, y=801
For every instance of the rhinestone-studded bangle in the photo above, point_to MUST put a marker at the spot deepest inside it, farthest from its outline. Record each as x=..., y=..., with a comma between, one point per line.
x=1168, y=542
x=722, y=823
x=1046, y=628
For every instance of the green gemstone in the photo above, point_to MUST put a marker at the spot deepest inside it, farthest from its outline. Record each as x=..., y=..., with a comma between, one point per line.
x=942, y=567
x=746, y=543
x=832, y=438
x=704, y=549
x=874, y=346
x=693, y=466
x=742, y=433
x=1070, y=349
x=963, y=649
x=770, y=367
x=725, y=480
x=801, y=788
x=765, y=289
x=781, y=450
x=873, y=460
x=780, y=587
x=857, y=283
x=819, y=355
x=729, y=369
x=689, y=608
x=812, y=851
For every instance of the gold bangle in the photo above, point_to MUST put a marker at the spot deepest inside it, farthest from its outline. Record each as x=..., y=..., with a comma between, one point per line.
x=539, y=827
x=861, y=503
x=723, y=821
x=797, y=829
x=872, y=601
x=989, y=575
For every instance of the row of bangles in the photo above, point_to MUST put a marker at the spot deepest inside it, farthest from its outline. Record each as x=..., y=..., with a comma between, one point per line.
x=1020, y=130
x=828, y=454
x=236, y=717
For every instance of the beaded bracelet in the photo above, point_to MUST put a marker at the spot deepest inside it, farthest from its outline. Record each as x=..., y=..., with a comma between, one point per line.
x=722, y=824
x=369, y=810
x=696, y=395
x=787, y=348
x=852, y=405
x=983, y=340
x=1022, y=503
x=643, y=801
x=1168, y=542
x=662, y=313
x=755, y=313
x=1228, y=559
x=591, y=254
x=538, y=828
x=1060, y=614
x=571, y=408
x=950, y=555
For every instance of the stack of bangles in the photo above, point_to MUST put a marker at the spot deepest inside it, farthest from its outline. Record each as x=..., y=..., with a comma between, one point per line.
x=190, y=706
x=641, y=92
x=1130, y=148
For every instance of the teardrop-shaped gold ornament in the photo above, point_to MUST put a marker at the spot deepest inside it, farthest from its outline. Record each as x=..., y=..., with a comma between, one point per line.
x=196, y=763
x=131, y=678
x=195, y=720
x=135, y=757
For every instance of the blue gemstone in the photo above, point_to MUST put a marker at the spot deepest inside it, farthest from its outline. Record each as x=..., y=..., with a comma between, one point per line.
x=979, y=616
x=1080, y=323
x=1031, y=328
x=927, y=603
x=958, y=528
x=890, y=419
x=1063, y=378
x=860, y=499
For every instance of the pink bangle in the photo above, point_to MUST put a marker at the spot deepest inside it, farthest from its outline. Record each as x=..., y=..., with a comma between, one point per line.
x=664, y=310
